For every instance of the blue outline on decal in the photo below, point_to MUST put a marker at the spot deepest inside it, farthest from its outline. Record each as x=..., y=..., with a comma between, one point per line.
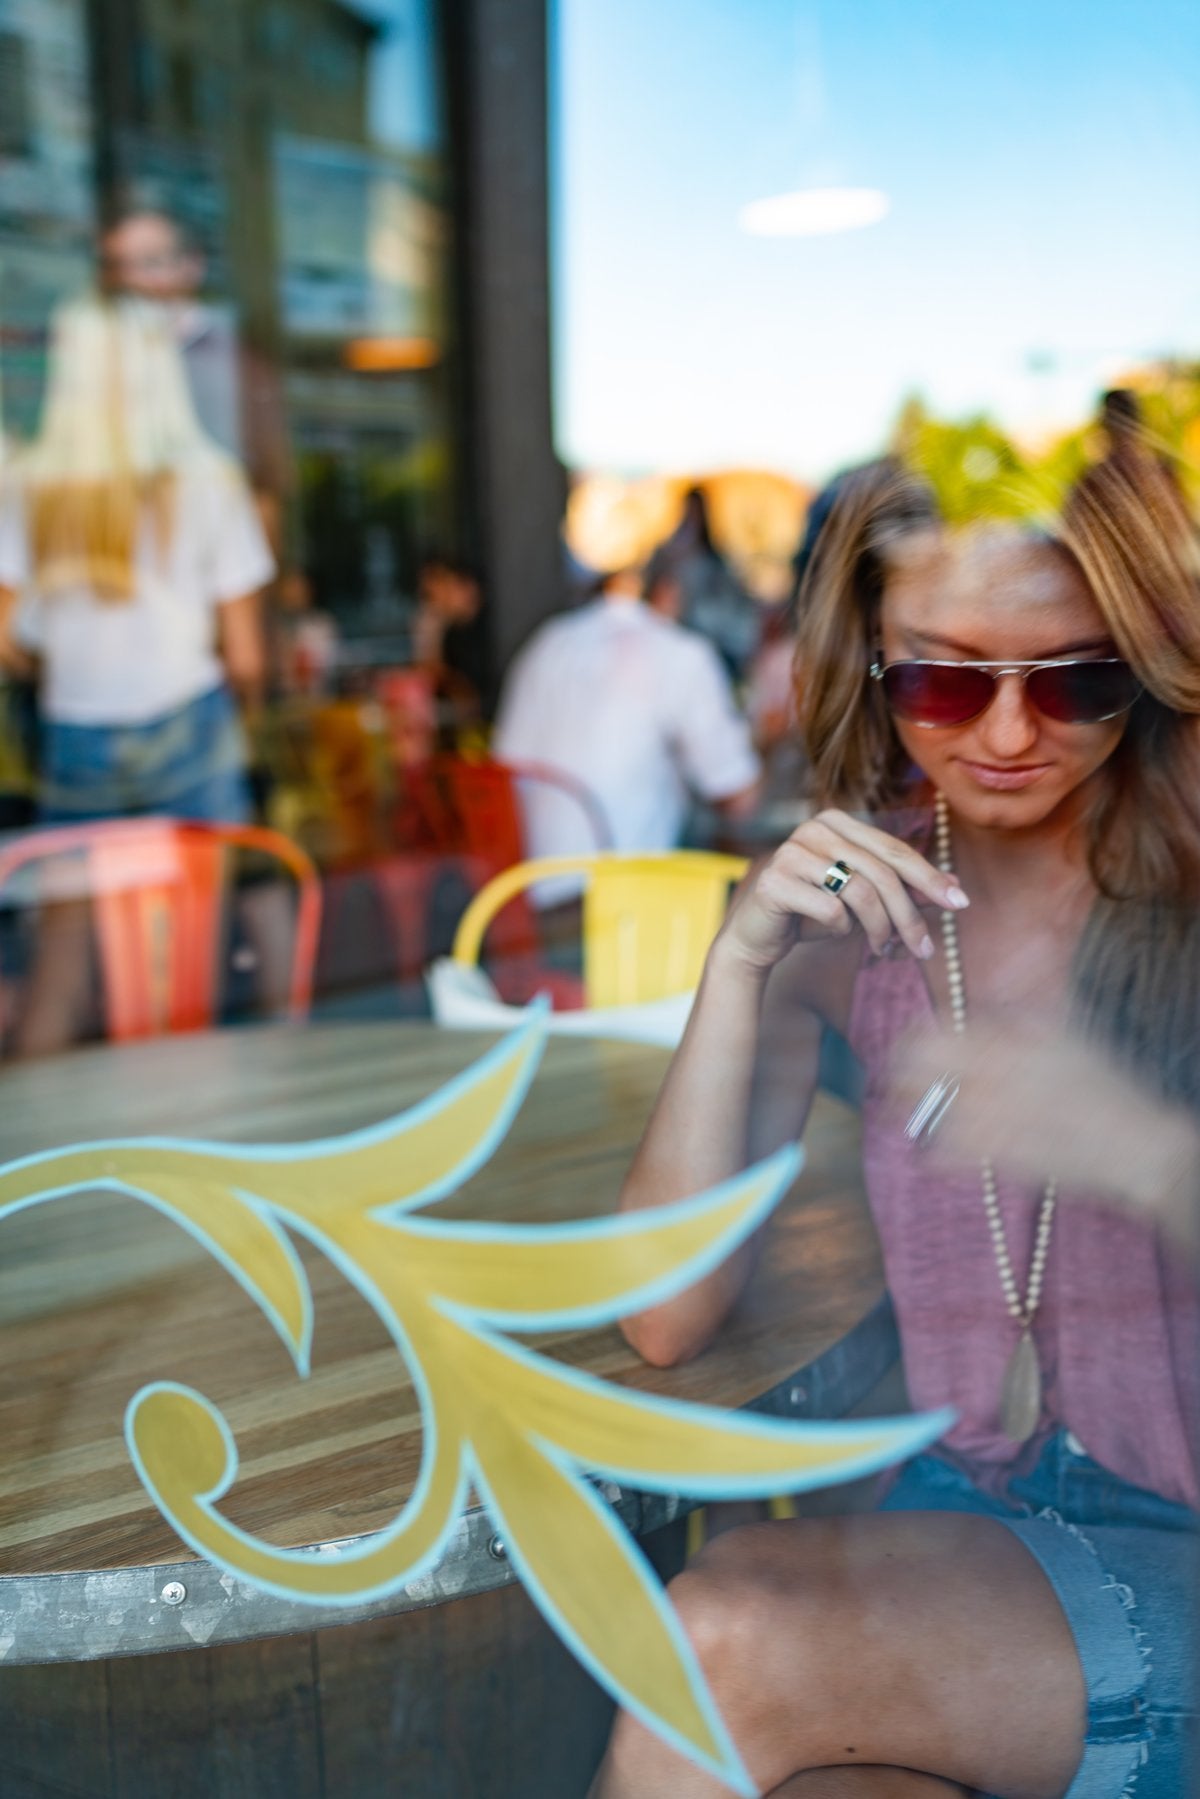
x=733, y=1772
x=310, y=1555
x=376, y=1540
x=518, y=1054
x=528, y=1039
x=776, y=1174
x=907, y=1435
x=299, y=1348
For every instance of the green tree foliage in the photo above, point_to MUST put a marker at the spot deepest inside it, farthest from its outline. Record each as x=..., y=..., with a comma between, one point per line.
x=977, y=472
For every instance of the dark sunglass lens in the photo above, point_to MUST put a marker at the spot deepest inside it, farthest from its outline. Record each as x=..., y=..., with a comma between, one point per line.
x=1083, y=693
x=936, y=693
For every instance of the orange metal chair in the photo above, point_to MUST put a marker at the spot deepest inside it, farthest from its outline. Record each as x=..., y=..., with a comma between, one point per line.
x=156, y=887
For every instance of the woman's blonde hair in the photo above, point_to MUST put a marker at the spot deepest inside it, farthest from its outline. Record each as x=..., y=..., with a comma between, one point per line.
x=1140, y=565
x=118, y=427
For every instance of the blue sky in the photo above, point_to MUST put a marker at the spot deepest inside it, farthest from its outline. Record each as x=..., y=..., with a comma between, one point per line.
x=403, y=97
x=1042, y=160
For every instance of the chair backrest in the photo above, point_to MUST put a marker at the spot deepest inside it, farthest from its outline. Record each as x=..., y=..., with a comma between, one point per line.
x=472, y=811
x=156, y=889
x=648, y=920
x=473, y=807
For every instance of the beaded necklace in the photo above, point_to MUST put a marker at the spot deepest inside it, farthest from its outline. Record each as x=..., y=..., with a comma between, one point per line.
x=1021, y=1394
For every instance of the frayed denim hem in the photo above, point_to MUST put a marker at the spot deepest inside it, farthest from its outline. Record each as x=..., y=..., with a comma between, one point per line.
x=1114, y=1654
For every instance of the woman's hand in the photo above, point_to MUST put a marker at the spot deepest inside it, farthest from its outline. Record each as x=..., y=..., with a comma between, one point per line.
x=1054, y=1107
x=786, y=902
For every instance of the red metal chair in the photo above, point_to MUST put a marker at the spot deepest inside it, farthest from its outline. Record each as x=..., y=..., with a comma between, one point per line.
x=468, y=813
x=156, y=888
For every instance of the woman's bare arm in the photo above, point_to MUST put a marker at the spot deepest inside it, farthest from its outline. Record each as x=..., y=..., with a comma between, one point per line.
x=740, y=1086
x=241, y=641
x=744, y=1075
x=14, y=658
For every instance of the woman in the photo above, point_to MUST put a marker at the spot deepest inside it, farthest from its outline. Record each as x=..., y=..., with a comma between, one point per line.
x=131, y=558
x=1017, y=713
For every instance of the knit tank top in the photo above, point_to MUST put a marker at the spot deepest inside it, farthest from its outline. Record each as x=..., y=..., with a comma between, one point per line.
x=1118, y=1328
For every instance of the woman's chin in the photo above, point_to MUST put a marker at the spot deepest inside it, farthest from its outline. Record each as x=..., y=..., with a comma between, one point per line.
x=1014, y=809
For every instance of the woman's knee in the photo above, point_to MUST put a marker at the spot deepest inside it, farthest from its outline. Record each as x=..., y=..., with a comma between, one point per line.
x=724, y=1595
x=760, y=1605
x=749, y=1603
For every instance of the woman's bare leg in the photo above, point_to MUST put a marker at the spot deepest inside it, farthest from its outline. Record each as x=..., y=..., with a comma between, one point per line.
x=893, y=1641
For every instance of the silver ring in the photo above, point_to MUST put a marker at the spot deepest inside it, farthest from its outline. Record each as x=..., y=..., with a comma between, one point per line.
x=837, y=876
x=931, y=1109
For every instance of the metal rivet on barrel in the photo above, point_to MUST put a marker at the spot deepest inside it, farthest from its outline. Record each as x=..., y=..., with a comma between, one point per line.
x=797, y=1395
x=497, y=1549
x=174, y=1593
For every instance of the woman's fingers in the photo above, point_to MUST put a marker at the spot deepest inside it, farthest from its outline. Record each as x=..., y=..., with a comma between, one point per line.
x=787, y=887
x=889, y=882
x=875, y=894
x=912, y=868
x=859, y=899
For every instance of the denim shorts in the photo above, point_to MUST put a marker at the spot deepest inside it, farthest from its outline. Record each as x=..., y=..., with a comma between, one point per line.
x=190, y=763
x=1124, y=1565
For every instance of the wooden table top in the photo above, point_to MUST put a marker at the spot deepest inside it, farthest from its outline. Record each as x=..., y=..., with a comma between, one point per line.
x=100, y=1293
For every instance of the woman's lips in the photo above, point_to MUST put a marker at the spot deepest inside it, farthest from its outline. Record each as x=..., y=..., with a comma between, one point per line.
x=1005, y=780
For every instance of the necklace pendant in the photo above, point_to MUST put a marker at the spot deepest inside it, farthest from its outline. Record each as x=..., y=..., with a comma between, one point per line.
x=1021, y=1394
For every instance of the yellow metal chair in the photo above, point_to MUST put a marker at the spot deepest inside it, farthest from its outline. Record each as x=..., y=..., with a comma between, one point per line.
x=648, y=920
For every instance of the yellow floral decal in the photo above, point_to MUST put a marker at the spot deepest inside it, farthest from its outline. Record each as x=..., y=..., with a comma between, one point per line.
x=524, y=1430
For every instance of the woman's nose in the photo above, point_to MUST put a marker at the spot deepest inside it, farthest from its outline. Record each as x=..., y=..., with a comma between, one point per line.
x=1010, y=725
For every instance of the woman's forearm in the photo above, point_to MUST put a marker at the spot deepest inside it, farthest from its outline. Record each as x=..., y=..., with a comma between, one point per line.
x=697, y=1133
x=697, y=1137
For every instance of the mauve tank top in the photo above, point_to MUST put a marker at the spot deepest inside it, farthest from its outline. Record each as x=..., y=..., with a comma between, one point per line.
x=1118, y=1328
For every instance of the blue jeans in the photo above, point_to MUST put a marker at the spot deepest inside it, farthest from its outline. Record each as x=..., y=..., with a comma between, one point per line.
x=1123, y=1565
x=190, y=763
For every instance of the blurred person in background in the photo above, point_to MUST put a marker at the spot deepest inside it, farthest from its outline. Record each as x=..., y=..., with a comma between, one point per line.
x=448, y=637
x=131, y=559
x=999, y=905
x=635, y=707
x=304, y=640
x=713, y=602
x=149, y=254
x=664, y=593
x=771, y=685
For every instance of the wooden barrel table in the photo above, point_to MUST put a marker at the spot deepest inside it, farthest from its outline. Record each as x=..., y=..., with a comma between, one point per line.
x=453, y=1687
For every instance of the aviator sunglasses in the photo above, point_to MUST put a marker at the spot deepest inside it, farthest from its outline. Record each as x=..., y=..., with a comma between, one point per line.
x=953, y=693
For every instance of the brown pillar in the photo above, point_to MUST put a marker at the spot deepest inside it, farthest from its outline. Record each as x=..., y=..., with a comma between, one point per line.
x=496, y=59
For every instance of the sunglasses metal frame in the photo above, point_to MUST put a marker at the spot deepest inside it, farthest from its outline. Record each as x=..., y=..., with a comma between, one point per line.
x=879, y=669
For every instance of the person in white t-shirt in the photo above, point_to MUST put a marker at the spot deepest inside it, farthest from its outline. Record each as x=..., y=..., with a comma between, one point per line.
x=638, y=709
x=131, y=558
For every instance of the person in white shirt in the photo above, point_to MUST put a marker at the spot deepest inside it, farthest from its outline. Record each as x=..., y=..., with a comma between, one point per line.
x=634, y=706
x=131, y=557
